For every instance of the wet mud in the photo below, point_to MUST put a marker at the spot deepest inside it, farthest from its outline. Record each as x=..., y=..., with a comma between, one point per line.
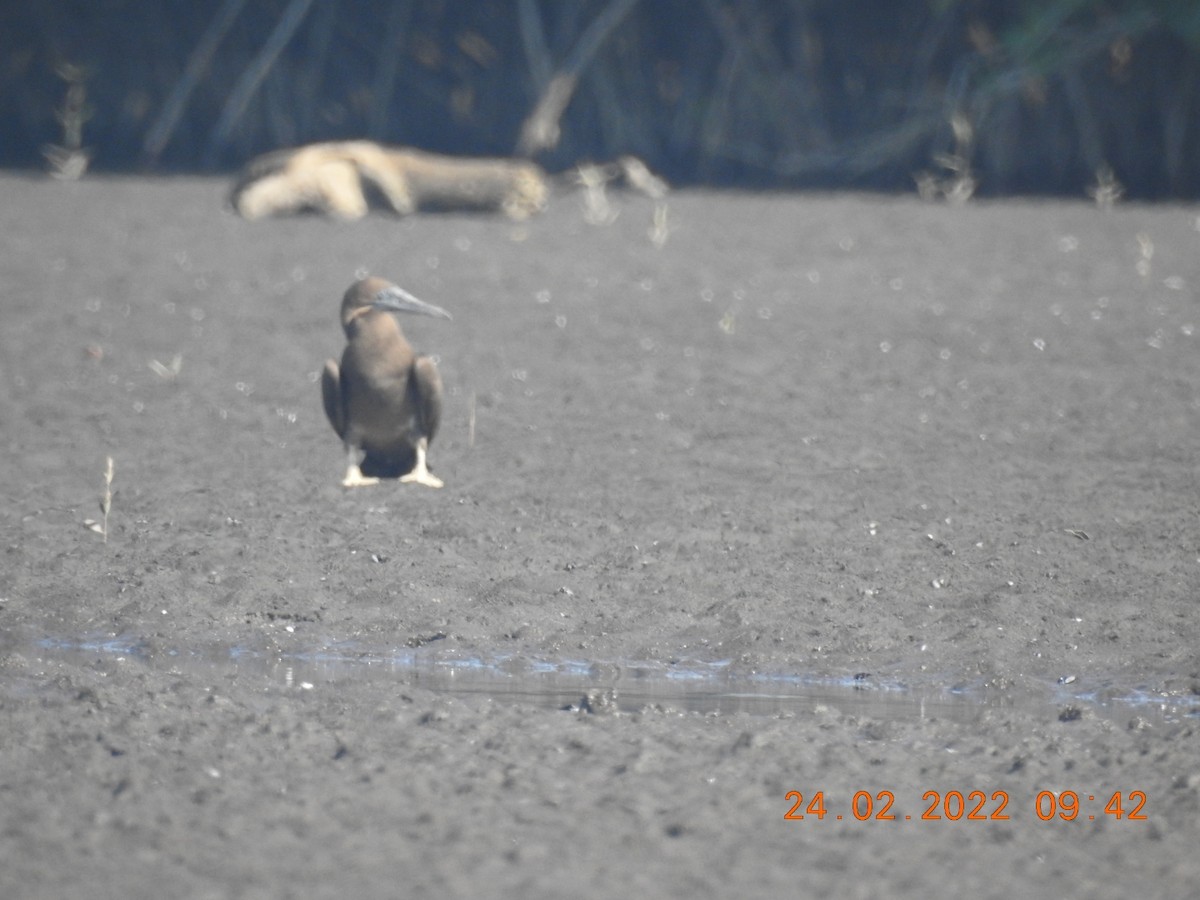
x=851, y=446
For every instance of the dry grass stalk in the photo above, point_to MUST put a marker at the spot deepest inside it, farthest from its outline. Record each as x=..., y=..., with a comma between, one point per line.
x=471, y=421
x=660, y=230
x=101, y=527
x=106, y=500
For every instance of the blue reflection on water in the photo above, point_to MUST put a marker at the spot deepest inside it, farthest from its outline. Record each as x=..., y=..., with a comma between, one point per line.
x=629, y=685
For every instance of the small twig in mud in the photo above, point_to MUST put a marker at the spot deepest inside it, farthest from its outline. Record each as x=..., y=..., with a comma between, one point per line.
x=101, y=527
x=1107, y=190
x=660, y=230
x=69, y=160
x=927, y=185
x=958, y=186
x=596, y=208
x=962, y=186
x=1146, y=252
x=471, y=421
x=639, y=177
x=170, y=372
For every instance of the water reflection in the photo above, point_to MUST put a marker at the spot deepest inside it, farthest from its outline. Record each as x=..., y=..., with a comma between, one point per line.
x=704, y=687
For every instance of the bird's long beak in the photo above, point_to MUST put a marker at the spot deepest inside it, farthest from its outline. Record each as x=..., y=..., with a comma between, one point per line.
x=399, y=300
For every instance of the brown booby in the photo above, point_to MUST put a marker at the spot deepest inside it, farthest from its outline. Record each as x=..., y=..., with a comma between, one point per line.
x=384, y=401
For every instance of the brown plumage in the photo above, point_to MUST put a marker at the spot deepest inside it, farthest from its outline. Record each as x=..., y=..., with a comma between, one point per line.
x=384, y=401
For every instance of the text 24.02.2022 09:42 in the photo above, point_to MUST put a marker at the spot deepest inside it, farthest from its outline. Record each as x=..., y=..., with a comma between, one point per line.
x=972, y=806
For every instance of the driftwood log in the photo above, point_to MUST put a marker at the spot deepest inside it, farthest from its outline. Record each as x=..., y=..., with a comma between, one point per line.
x=343, y=178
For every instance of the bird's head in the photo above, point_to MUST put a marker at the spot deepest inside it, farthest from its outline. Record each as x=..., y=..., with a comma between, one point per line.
x=378, y=293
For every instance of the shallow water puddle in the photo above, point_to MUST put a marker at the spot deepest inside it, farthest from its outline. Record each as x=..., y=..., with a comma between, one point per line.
x=685, y=686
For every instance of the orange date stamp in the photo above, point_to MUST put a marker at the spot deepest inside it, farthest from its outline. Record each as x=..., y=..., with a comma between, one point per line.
x=969, y=806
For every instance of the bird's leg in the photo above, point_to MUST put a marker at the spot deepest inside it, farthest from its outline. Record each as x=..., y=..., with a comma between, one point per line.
x=354, y=476
x=420, y=473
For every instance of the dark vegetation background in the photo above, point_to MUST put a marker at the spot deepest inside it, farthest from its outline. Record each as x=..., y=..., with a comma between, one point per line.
x=781, y=93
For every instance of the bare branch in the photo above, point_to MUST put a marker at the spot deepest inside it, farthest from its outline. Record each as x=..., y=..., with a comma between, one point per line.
x=541, y=130
x=253, y=77
x=163, y=128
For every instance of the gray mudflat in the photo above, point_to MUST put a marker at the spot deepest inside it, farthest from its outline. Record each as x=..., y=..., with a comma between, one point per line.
x=810, y=436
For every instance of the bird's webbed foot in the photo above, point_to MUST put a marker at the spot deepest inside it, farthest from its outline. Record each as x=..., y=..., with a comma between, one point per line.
x=355, y=478
x=420, y=473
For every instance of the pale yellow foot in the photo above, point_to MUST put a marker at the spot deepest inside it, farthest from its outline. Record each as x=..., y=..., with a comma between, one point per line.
x=420, y=473
x=355, y=478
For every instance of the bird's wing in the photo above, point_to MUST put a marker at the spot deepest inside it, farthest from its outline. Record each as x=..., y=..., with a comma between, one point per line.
x=425, y=387
x=331, y=397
